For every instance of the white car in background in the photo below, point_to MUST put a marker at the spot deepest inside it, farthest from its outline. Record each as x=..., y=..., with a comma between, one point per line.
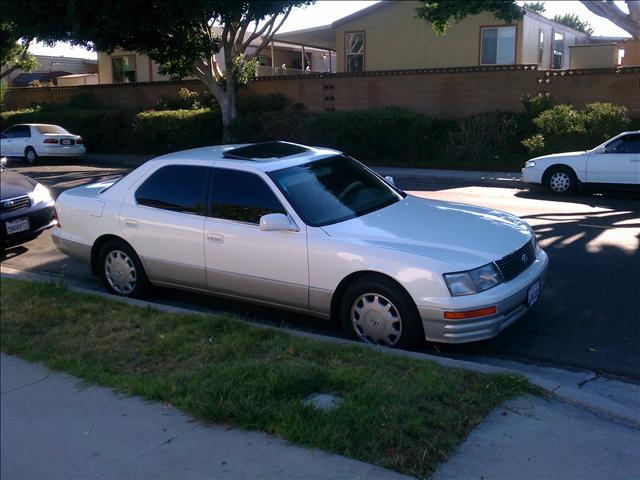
x=307, y=229
x=614, y=164
x=33, y=140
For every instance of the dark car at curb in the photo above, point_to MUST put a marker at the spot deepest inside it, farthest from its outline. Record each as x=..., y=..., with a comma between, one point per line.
x=26, y=208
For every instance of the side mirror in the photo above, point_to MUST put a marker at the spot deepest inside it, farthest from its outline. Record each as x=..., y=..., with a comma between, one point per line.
x=390, y=180
x=276, y=222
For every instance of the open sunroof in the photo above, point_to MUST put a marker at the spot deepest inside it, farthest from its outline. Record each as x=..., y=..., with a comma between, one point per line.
x=265, y=150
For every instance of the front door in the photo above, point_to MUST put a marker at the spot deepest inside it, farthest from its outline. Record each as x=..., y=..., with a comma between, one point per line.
x=164, y=222
x=6, y=141
x=618, y=163
x=241, y=259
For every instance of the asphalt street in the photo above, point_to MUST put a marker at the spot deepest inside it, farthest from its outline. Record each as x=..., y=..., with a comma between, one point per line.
x=588, y=314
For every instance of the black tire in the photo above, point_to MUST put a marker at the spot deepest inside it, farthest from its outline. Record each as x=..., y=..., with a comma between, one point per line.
x=410, y=332
x=561, y=180
x=124, y=262
x=30, y=155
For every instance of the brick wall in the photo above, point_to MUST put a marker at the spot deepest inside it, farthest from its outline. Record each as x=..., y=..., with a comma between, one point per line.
x=453, y=92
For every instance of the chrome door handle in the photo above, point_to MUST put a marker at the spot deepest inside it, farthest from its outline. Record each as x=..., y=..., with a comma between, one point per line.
x=215, y=238
x=131, y=223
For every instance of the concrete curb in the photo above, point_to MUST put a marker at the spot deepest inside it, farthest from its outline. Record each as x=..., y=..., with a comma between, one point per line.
x=566, y=393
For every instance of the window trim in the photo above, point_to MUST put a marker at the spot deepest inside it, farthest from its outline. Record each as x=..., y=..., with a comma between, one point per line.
x=515, y=45
x=541, y=42
x=203, y=194
x=265, y=179
x=135, y=66
x=364, y=48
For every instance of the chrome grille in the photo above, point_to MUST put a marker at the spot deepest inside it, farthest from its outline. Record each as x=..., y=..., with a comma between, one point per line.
x=11, y=204
x=517, y=262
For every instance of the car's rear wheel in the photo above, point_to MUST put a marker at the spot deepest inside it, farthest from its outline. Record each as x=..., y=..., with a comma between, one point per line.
x=30, y=155
x=378, y=311
x=561, y=181
x=121, y=270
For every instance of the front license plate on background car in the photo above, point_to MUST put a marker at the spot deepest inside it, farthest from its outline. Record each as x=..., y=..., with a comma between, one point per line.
x=533, y=293
x=16, y=226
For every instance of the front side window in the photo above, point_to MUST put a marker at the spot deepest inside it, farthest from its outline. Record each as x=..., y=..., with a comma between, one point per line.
x=332, y=190
x=626, y=144
x=557, y=50
x=242, y=196
x=354, y=52
x=124, y=69
x=10, y=132
x=498, y=45
x=179, y=188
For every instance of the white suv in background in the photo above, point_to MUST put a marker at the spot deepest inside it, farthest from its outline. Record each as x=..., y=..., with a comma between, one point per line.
x=34, y=140
x=614, y=164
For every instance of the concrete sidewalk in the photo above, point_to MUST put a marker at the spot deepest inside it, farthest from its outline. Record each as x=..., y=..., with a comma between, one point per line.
x=52, y=426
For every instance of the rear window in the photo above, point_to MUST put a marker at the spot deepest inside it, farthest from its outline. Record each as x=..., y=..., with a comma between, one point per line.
x=51, y=129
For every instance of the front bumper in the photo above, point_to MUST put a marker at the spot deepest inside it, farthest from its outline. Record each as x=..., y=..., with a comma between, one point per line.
x=40, y=219
x=510, y=303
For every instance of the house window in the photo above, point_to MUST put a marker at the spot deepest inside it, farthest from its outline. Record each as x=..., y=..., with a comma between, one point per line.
x=498, y=45
x=540, y=46
x=124, y=69
x=557, y=50
x=355, y=52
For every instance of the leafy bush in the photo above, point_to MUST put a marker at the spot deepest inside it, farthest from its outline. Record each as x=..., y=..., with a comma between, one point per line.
x=534, y=105
x=562, y=128
x=186, y=100
x=167, y=131
x=273, y=102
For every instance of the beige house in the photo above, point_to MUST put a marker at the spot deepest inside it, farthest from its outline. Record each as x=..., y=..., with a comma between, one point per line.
x=389, y=36
x=50, y=68
x=278, y=58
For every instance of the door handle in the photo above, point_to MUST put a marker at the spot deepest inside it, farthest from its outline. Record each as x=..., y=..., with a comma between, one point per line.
x=131, y=223
x=215, y=238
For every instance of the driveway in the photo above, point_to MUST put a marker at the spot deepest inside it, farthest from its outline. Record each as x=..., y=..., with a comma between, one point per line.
x=585, y=319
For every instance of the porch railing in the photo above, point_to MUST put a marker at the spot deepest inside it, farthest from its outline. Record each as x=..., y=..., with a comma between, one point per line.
x=266, y=71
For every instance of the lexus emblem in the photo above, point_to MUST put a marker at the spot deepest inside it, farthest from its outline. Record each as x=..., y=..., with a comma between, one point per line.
x=525, y=258
x=8, y=204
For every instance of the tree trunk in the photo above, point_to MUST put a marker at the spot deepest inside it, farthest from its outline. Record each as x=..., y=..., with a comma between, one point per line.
x=229, y=114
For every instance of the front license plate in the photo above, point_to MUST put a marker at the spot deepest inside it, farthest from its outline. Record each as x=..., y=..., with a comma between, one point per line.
x=16, y=226
x=533, y=293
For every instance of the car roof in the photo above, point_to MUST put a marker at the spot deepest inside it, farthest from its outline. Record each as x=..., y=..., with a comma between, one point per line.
x=285, y=154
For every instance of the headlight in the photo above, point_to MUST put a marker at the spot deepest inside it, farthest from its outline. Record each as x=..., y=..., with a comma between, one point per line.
x=530, y=164
x=40, y=194
x=473, y=281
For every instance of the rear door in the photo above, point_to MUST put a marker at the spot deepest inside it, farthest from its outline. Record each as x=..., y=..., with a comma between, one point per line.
x=247, y=262
x=164, y=222
x=6, y=140
x=21, y=139
x=618, y=163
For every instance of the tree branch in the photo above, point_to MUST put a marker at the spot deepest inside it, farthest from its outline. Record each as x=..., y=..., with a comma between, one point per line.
x=256, y=34
x=269, y=37
x=609, y=10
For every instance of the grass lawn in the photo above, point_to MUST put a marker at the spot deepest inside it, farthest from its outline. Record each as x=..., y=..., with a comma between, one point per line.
x=402, y=414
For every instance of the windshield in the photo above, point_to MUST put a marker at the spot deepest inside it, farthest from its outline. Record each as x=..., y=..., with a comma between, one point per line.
x=51, y=129
x=333, y=189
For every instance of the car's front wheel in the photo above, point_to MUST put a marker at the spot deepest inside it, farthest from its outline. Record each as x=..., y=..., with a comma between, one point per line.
x=377, y=310
x=561, y=181
x=121, y=270
x=30, y=155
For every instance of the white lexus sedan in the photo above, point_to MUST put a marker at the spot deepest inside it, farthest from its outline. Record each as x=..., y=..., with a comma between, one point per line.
x=34, y=140
x=307, y=229
x=615, y=164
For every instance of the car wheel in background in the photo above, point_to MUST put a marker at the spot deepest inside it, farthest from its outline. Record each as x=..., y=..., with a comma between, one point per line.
x=561, y=181
x=376, y=310
x=30, y=155
x=121, y=270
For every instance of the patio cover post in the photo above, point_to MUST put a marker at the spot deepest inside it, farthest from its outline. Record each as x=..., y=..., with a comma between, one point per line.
x=302, y=63
x=273, y=58
x=330, y=69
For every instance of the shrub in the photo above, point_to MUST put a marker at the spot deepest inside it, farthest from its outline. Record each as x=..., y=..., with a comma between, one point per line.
x=604, y=120
x=186, y=99
x=534, y=105
x=273, y=102
x=167, y=131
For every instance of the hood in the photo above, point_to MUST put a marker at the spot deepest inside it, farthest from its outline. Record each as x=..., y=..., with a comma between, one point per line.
x=561, y=155
x=458, y=234
x=14, y=184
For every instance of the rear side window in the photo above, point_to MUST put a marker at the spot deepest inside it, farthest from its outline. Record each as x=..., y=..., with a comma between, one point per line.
x=242, y=196
x=179, y=188
x=22, y=131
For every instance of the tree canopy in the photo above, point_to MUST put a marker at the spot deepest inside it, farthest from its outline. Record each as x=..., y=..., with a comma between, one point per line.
x=573, y=20
x=442, y=12
x=14, y=51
